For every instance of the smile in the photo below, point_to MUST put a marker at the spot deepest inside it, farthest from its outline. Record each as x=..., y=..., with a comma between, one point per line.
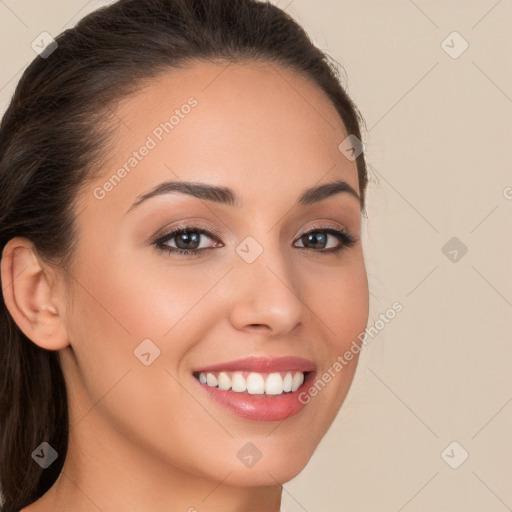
x=257, y=388
x=254, y=383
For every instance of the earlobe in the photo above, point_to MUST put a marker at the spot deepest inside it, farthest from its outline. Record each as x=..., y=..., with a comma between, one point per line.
x=28, y=295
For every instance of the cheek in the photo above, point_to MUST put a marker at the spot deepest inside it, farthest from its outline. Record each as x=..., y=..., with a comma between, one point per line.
x=130, y=300
x=340, y=298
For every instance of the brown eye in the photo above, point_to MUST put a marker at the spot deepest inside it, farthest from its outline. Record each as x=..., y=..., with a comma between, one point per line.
x=187, y=240
x=319, y=238
x=316, y=240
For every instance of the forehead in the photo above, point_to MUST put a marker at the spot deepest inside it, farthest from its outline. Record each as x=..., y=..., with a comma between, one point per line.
x=230, y=124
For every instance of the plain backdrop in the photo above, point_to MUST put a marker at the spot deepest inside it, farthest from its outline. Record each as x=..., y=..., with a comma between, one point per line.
x=427, y=423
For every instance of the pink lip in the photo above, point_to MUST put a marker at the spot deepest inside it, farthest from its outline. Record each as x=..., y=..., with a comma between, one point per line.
x=263, y=365
x=261, y=407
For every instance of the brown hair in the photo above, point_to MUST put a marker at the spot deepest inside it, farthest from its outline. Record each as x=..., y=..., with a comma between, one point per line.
x=51, y=141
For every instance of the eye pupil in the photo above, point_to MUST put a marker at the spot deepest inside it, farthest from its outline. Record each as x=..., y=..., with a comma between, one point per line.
x=190, y=240
x=316, y=239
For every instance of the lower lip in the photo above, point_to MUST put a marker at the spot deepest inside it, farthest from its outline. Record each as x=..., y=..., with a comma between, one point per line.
x=260, y=407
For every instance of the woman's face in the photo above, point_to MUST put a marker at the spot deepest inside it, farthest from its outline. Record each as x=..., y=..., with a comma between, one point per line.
x=148, y=320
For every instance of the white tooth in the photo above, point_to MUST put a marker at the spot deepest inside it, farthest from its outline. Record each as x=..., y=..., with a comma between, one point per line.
x=255, y=384
x=224, y=381
x=298, y=379
x=202, y=378
x=211, y=380
x=274, y=384
x=287, y=382
x=238, y=382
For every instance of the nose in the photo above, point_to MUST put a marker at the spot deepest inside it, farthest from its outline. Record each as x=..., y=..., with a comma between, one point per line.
x=265, y=295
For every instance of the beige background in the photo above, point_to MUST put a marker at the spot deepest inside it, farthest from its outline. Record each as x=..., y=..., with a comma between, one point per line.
x=438, y=140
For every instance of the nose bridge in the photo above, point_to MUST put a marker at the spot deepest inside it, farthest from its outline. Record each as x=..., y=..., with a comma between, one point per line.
x=265, y=287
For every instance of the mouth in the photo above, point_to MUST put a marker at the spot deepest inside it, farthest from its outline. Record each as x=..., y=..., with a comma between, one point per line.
x=253, y=383
x=258, y=388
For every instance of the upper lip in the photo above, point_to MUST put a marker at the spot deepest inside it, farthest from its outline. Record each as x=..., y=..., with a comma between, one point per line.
x=263, y=365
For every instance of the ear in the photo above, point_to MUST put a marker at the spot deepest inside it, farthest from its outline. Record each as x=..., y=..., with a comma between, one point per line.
x=27, y=291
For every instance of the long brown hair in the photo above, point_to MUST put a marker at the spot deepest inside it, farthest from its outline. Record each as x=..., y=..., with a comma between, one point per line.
x=51, y=141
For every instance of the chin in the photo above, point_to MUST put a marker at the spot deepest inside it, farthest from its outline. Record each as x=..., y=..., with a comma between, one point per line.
x=276, y=472
x=275, y=465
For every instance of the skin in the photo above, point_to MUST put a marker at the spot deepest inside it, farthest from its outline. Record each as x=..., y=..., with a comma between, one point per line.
x=147, y=438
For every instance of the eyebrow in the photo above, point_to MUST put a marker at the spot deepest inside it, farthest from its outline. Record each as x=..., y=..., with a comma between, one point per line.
x=225, y=195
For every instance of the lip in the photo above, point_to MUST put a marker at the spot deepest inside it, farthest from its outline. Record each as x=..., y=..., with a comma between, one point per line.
x=263, y=365
x=261, y=407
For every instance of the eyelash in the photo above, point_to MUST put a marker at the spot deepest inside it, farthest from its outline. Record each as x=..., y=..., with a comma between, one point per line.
x=343, y=236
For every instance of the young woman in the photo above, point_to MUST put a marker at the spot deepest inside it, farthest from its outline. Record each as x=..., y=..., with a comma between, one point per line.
x=181, y=189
